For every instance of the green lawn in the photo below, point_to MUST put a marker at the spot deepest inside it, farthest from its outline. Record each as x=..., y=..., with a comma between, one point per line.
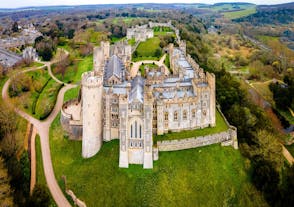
x=162, y=31
x=142, y=68
x=206, y=176
x=74, y=72
x=146, y=50
x=220, y=127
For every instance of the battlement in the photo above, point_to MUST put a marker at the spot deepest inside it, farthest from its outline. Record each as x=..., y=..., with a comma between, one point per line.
x=91, y=80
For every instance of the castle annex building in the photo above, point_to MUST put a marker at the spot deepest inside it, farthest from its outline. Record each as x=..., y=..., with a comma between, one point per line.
x=114, y=105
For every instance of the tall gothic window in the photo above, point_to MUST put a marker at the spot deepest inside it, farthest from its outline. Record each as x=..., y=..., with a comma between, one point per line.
x=140, y=131
x=136, y=135
x=175, y=116
x=131, y=130
x=166, y=116
x=185, y=115
x=193, y=113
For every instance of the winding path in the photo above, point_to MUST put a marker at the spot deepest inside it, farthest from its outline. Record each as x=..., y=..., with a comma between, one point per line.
x=42, y=128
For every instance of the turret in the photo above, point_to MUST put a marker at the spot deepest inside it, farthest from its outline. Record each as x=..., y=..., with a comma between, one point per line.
x=92, y=106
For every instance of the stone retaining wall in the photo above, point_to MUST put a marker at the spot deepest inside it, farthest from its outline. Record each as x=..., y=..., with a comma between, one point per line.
x=228, y=137
x=75, y=130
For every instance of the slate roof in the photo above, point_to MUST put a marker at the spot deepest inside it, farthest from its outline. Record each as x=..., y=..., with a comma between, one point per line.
x=114, y=67
x=137, y=90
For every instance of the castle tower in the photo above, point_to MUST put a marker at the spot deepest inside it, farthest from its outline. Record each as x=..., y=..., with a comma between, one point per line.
x=98, y=59
x=106, y=49
x=92, y=107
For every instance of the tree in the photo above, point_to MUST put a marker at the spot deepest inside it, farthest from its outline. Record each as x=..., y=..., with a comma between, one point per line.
x=20, y=83
x=40, y=197
x=6, y=198
x=158, y=52
x=15, y=27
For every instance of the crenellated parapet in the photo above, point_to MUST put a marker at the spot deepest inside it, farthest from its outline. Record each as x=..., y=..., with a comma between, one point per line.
x=91, y=80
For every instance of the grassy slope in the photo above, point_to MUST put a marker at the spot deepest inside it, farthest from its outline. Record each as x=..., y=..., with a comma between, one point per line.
x=183, y=178
x=74, y=72
x=47, y=99
x=71, y=94
x=42, y=93
x=220, y=127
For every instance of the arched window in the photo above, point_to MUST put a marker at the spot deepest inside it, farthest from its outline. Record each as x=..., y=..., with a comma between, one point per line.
x=175, y=116
x=185, y=115
x=166, y=116
x=140, y=131
x=136, y=135
x=193, y=113
x=131, y=130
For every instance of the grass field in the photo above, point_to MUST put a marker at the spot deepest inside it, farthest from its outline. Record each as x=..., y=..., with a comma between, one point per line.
x=162, y=31
x=220, y=127
x=74, y=72
x=207, y=176
x=239, y=14
x=146, y=50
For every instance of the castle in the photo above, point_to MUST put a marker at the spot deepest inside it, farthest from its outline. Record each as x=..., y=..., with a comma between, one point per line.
x=114, y=105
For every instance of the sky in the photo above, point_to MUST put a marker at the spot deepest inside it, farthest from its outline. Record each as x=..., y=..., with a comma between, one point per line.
x=26, y=3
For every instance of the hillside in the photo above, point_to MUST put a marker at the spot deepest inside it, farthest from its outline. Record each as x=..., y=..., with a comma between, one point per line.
x=271, y=14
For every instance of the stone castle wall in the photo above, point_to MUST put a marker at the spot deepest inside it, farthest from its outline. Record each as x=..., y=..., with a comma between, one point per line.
x=226, y=138
x=74, y=130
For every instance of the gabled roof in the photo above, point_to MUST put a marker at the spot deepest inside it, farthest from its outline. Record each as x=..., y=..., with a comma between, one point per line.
x=137, y=90
x=114, y=67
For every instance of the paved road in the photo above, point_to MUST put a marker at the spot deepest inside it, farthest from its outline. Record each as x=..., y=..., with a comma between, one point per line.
x=136, y=65
x=42, y=128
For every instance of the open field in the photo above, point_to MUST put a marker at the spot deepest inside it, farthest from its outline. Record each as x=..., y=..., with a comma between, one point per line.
x=182, y=178
x=146, y=50
x=239, y=14
x=74, y=72
x=220, y=127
